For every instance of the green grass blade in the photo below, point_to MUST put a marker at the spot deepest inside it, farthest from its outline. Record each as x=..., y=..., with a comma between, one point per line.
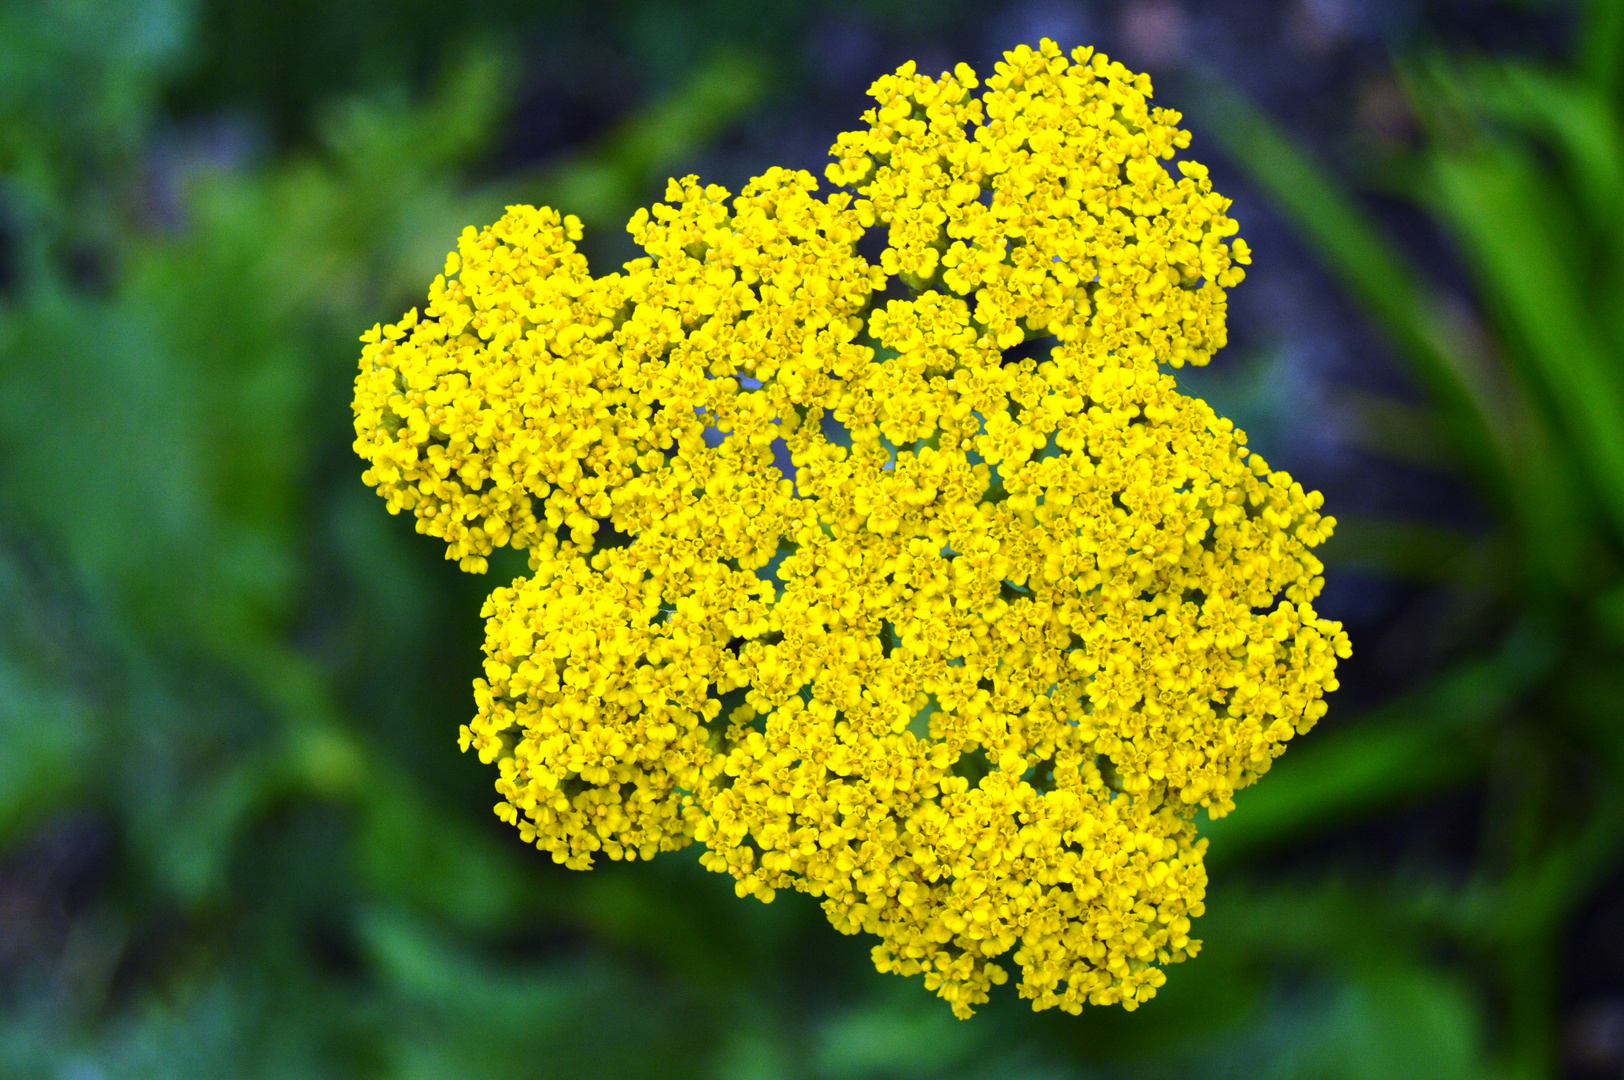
x=1493, y=197
x=1358, y=255
x=1580, y=124
x=1601, y=46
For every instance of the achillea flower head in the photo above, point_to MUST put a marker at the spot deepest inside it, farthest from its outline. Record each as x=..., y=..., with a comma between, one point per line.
x=828, y=581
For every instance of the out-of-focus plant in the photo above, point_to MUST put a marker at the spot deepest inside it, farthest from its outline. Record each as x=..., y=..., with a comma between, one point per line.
x=1523, y=166
x=163, y=556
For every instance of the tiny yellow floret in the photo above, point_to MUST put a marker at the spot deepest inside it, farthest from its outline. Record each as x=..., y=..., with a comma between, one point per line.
x=946, y=608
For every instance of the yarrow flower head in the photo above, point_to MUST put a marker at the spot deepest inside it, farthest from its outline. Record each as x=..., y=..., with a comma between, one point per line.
x=912, y=583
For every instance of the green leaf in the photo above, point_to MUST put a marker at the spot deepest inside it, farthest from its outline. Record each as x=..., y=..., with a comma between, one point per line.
x=456, y=1014
x=1495, y=197
x=1601, y=46
x=1575, y=117
x=894, y=1038
x=1392, y=1021
x=47, y=736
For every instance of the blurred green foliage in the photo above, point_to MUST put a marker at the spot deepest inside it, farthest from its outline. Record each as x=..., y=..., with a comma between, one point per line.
x=224, y=666
x=1523, y=166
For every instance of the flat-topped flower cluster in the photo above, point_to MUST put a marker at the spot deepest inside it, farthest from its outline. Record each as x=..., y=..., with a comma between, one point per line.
x=913, y=584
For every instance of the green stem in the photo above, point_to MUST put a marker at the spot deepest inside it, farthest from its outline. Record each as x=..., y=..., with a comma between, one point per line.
x=1529, y=969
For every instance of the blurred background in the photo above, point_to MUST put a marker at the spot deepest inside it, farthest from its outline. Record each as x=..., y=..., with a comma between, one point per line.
x=236, y=838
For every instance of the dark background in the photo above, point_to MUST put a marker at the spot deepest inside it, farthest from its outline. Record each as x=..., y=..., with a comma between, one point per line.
x=236, y=838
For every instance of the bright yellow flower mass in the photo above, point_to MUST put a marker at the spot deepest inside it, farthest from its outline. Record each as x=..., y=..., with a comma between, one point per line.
x=913, y=584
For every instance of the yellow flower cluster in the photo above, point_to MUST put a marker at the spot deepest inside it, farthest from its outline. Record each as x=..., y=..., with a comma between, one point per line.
x=829, y=577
